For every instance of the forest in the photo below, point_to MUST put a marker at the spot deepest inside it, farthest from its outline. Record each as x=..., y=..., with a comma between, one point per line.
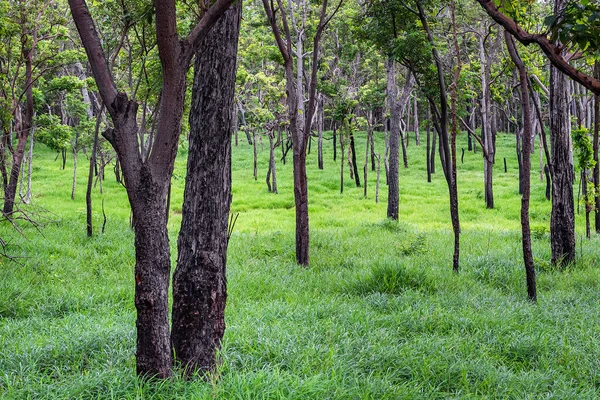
x=299, y=199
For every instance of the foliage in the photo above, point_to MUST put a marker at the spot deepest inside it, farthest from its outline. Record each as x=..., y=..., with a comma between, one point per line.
x=52, y=133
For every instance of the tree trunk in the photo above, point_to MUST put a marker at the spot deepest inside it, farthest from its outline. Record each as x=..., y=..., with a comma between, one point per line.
x=243, y=115
x=27, y=199
x=428, y=150
x=416, y=121
x=433, y=143
x=447, y=144
x=486, y=127
x=596, y=173
x=255, y=169
x=342, y=158
x=271, y=173
x=74, y=166
x=199, y=282
x=353, y=162
x=88, y=192
x=366, y=166
x=378, y=178
x=393, y=191
x=334, y=142
x=562, y=220
x=23, y=127
x=526, y=161
x=320, y=112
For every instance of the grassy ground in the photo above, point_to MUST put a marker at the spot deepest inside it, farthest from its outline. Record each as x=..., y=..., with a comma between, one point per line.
x=378, y=315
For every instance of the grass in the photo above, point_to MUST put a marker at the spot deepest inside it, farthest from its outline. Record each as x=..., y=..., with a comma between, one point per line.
x=378, y=315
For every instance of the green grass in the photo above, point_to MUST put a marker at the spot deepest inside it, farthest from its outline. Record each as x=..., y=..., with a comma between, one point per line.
x=378, y=315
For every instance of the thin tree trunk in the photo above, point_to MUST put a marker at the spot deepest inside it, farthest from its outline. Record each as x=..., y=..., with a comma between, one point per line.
x=378, y=178
x=24, y=126
x=416, y=121
x=320, y=112
x=527, y=118
x=354, y=163
x=486, y=127
x=75, y=166
x=342, y=159
x=366, y=166
x=428, y=151
x=596, y=173
x=27, y=199
x=271, y=174
x=334, y=142
x=255, y=157
x=88, y=192
x=243, y=115
x=433, y=143
x=447, y=144
x=393, y=191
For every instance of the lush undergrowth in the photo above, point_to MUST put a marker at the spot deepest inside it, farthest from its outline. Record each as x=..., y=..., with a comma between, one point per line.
x=378, y=315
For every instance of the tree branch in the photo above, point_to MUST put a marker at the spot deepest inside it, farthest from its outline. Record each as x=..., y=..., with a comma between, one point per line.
x=552, y=51
x=93, y=48
x=203, y=27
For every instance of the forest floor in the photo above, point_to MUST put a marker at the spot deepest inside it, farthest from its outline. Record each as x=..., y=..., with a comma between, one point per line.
x=378, y=315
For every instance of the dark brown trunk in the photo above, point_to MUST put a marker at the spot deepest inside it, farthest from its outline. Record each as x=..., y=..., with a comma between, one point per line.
x=320, y=112
x=152, y=275
x=354, y=163
x=562, y=220
x=334, y=142
x=88, y=192
x=199, y=282
x=403, y=141
x=447, y=144
x=366, y=166
x=526, y=167
x=23, y=130
x=519, y=140
x=433, y=144
x=271, y=172
x=342, y=160
x=428, y=150
x=3, y=149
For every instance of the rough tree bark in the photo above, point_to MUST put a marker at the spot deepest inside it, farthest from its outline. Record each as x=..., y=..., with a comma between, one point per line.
x=148, y=178
x=199, y=283
x=562, y=219
x=526, y=154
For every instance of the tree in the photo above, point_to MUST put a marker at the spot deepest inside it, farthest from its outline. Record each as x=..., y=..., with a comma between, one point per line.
x=148, y=175
x=199, y=283
x=25, y=61
x=300, y=119
x=526, y=154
